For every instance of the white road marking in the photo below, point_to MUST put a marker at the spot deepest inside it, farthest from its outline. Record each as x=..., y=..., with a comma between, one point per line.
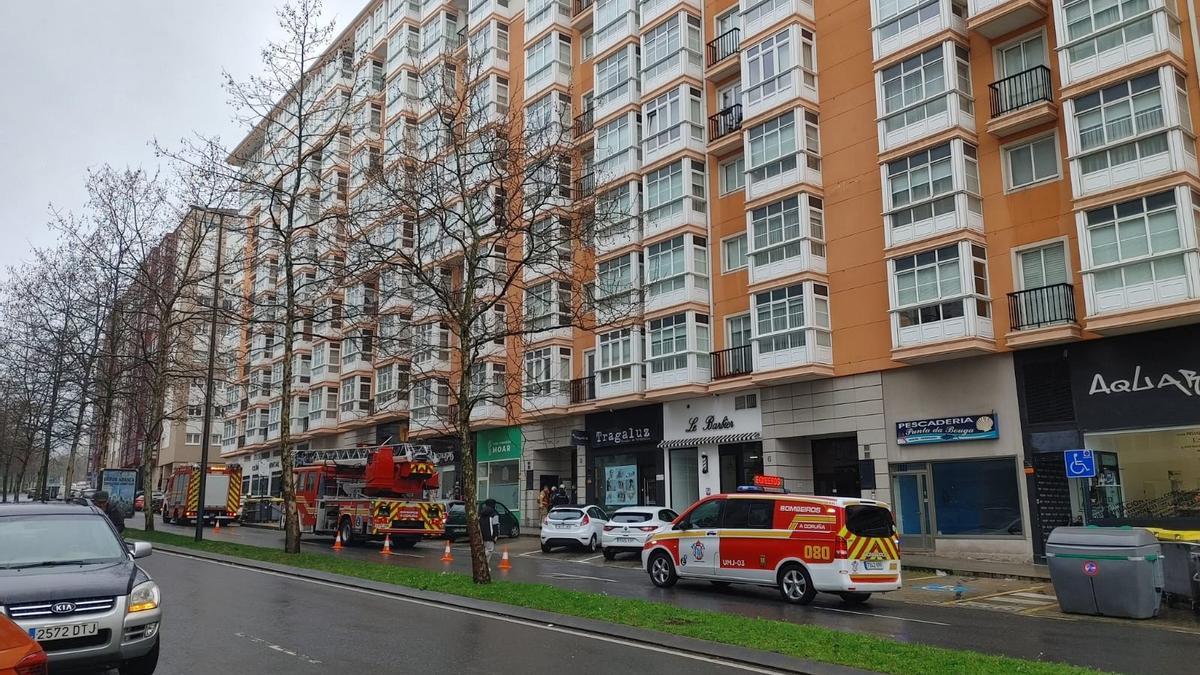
x=595, y=557
x=703, y=658
x=283, y=650
x=561, y=575
x=1037, y=596
x=882, y=616
x=1016, y=601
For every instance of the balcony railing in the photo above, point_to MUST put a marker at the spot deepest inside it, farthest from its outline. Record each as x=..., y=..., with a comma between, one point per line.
x=585, y=185
x=581, y=6
x=1023, y=89
x=732, y=361
x=725, y=122
x=723, y=46
x=583, y=389
x=1044, y=306
x=584, y=123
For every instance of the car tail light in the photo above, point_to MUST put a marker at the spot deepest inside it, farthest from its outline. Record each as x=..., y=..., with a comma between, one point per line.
x=648, y=528
x=585, y=520
x=609, y=528
x=545, y=522
x=841, y=550
x=34, y=663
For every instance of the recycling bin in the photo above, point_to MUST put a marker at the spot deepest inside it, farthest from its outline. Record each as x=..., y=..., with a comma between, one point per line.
x=1106, y=571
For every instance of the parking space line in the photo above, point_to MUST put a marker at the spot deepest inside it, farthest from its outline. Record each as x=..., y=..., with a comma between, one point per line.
x=1017, y=601
x=880, y=616
x=989, y=595
x=595, y=557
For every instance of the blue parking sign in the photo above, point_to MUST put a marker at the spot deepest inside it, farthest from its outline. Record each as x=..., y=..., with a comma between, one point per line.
x=1080, y=463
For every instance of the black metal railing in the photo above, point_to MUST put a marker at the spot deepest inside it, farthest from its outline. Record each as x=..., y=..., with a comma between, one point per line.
x=583, y=389
x=1023, y=89
x=584, y=122
x=725, y=122
x=1044, y=306
x=732, y=361
x=724, y=46
x=581, y=5
x=585, y=185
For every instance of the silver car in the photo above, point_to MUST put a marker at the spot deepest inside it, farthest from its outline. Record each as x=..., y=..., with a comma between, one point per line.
x=68, y=579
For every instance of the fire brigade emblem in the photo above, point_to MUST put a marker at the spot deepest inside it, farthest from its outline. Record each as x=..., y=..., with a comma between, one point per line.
x=698, y=551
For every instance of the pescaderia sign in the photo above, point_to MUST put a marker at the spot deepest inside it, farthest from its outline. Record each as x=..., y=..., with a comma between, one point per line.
x=948, y=429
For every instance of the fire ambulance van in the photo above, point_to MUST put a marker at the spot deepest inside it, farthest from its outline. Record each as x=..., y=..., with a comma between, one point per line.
x=801, y=545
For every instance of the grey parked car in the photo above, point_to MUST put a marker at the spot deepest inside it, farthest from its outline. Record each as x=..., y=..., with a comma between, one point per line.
x=68, y=578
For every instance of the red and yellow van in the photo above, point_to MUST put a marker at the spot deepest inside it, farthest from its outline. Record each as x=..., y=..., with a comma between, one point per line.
x=800, y=544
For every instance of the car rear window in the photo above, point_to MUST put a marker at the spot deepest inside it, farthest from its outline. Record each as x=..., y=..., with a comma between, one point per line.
x=565, y=514
x=868, y=521
x=631, y=517
x=458, y=508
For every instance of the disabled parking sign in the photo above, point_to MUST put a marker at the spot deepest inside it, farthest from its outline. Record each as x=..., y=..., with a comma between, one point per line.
x=1080, y=463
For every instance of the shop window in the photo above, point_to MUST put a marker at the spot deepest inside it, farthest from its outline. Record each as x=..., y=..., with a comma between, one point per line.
x=977, y=498
x=1143, y=475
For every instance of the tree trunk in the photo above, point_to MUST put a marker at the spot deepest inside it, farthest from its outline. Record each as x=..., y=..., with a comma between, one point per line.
x=149, y=459
x=55, y=386
x=75, y=436
x=291, y=537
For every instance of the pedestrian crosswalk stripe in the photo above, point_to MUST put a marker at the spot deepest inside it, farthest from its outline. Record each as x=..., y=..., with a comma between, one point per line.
x=1015, y=601
x=1036, y=596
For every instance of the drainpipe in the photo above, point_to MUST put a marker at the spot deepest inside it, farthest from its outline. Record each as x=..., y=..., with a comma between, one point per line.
x=1191, y=12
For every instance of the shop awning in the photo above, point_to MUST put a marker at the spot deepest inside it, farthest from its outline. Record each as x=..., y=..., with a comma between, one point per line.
x=710, y=440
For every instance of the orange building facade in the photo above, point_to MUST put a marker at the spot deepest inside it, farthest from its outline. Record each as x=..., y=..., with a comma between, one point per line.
x=911, y=250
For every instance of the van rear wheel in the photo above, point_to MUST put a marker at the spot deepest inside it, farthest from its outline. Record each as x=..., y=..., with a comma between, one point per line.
x=795, y=585
x=855, y=598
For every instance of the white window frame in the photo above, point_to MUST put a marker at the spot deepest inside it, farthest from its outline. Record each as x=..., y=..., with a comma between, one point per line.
x=726, y=267
x=764, y=249
x=1084, y=45
x=1123, y=263
x=962, y=160
x=965, y=278
x=729, y=331
x=615, y=356
x=724, y=175
x=1152, y=127
x=1007, y=149
x=812, y=314
x=954, y=77
x=1018, y=251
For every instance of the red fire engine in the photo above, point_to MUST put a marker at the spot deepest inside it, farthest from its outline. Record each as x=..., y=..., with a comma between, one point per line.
x=222, y=494
x=367, y=493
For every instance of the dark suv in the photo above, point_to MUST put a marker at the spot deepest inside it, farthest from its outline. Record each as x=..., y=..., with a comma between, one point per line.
x=68, y=579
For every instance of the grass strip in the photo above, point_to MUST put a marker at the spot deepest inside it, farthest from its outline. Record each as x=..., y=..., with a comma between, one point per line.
x=800, y=641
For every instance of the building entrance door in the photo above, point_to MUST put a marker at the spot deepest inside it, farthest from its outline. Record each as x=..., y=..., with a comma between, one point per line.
x=911, y=490
x=835, y=467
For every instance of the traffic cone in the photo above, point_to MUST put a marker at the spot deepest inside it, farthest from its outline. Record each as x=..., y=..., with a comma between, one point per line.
x=505, y=564
x=387, y=545
x=446, y=557
x=217, y=527
x=337, y=541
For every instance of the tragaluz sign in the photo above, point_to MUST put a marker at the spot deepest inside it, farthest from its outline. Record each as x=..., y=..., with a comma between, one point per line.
x=947, y=429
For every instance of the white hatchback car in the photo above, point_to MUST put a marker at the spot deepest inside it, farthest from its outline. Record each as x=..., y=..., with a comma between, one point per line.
x=630, y=526
x=573, y=526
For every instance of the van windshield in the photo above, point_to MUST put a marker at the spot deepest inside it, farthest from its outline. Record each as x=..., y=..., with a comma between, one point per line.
x=868, y=521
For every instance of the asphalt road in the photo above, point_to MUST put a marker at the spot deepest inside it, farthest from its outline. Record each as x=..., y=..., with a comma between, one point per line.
x=226, y=620
x=1121, y=646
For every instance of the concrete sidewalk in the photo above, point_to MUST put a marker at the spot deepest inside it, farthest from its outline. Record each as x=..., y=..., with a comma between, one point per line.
x=976, y=568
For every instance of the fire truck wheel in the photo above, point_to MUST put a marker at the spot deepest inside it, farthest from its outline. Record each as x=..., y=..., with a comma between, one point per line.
x=346, y=531
x=795, y=585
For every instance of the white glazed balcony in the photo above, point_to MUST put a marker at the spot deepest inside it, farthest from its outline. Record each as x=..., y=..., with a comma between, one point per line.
x=693, y=290
x=652, y=10
x=683, y=63
x=806, y=261
x=624, y=27
x=969, y=325
x=1180, y=155
x=697, y=371
x=546, y=395
x=633, y=384
x=758, y=15
x=807, y=170
x=949, y=110
x=606, y=104
x=612, y=238
x=390, y=402
x=807, y=354
x=966, y=214
x=1124, y=42
x=624, y=163
x=788, y=85
x=481, y=9
x=687, y=211
x=687, y=135
x=914, y=25
x=322, y=419
x=556, y=14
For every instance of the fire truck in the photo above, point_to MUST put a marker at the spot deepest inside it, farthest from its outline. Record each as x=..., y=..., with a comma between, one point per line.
x=222, y=494
x=367, y=493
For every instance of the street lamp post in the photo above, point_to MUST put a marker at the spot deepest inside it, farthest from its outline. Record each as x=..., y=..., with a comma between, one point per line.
x=208, y=389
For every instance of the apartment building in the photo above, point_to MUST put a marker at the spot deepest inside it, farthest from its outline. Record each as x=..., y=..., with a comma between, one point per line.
x=909, y=250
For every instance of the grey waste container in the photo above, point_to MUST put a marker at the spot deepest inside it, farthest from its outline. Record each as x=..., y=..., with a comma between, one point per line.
x=1111, y=571
x=1181, y=572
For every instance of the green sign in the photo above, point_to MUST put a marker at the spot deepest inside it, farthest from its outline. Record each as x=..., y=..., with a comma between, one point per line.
x=495, y=445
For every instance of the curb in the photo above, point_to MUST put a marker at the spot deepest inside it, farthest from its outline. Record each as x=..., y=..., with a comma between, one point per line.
x=641, y=636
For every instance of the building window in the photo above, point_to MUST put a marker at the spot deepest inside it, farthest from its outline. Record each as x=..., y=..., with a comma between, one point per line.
x=668, y=343
x=668, y=43
x=614, y=277
x=739, y=330
x=192, y=439
x=766, y=62
x=665, y=191
x=548, y=305
x=930, y=287
x=667, y=263
x=1135, y=242
x=615, y=356
x=745, y=402
x=732, y=175
x=615, y=74
x=777, y=230
x=1098, y=26
x=977, y=498
x=922, y=186
x=916, y=88
x=773, y=146
x=665, y=116
x=779, y=316
x=613, y=140
x=894, y=16
x=733, y=253
x=1043, y=266
x=589, y=45
x=1123, y=111
x=1032, y=162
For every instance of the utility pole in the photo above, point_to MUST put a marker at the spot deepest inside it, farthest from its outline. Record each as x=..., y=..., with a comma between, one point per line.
x=208, y=389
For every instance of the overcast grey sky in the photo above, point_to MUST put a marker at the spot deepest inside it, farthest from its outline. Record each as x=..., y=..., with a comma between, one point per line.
x=87, y=82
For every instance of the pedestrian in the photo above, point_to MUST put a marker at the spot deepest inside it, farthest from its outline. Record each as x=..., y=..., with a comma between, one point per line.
x=111, y=510
x=560, y=497
x=489, y=526
x=544, y=501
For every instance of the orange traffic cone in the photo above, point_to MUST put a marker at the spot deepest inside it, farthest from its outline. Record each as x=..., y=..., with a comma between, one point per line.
x=387, y=545
x=446, y=557
x=217, y=527
x=505, y=564
x=337, y=541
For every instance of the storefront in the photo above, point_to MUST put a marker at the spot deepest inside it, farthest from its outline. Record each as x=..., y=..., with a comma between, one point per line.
x=552, y=455
x=711, y=445
x=956, y=478
x=624, y=464
x=498, y=466
x=1134, y=400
